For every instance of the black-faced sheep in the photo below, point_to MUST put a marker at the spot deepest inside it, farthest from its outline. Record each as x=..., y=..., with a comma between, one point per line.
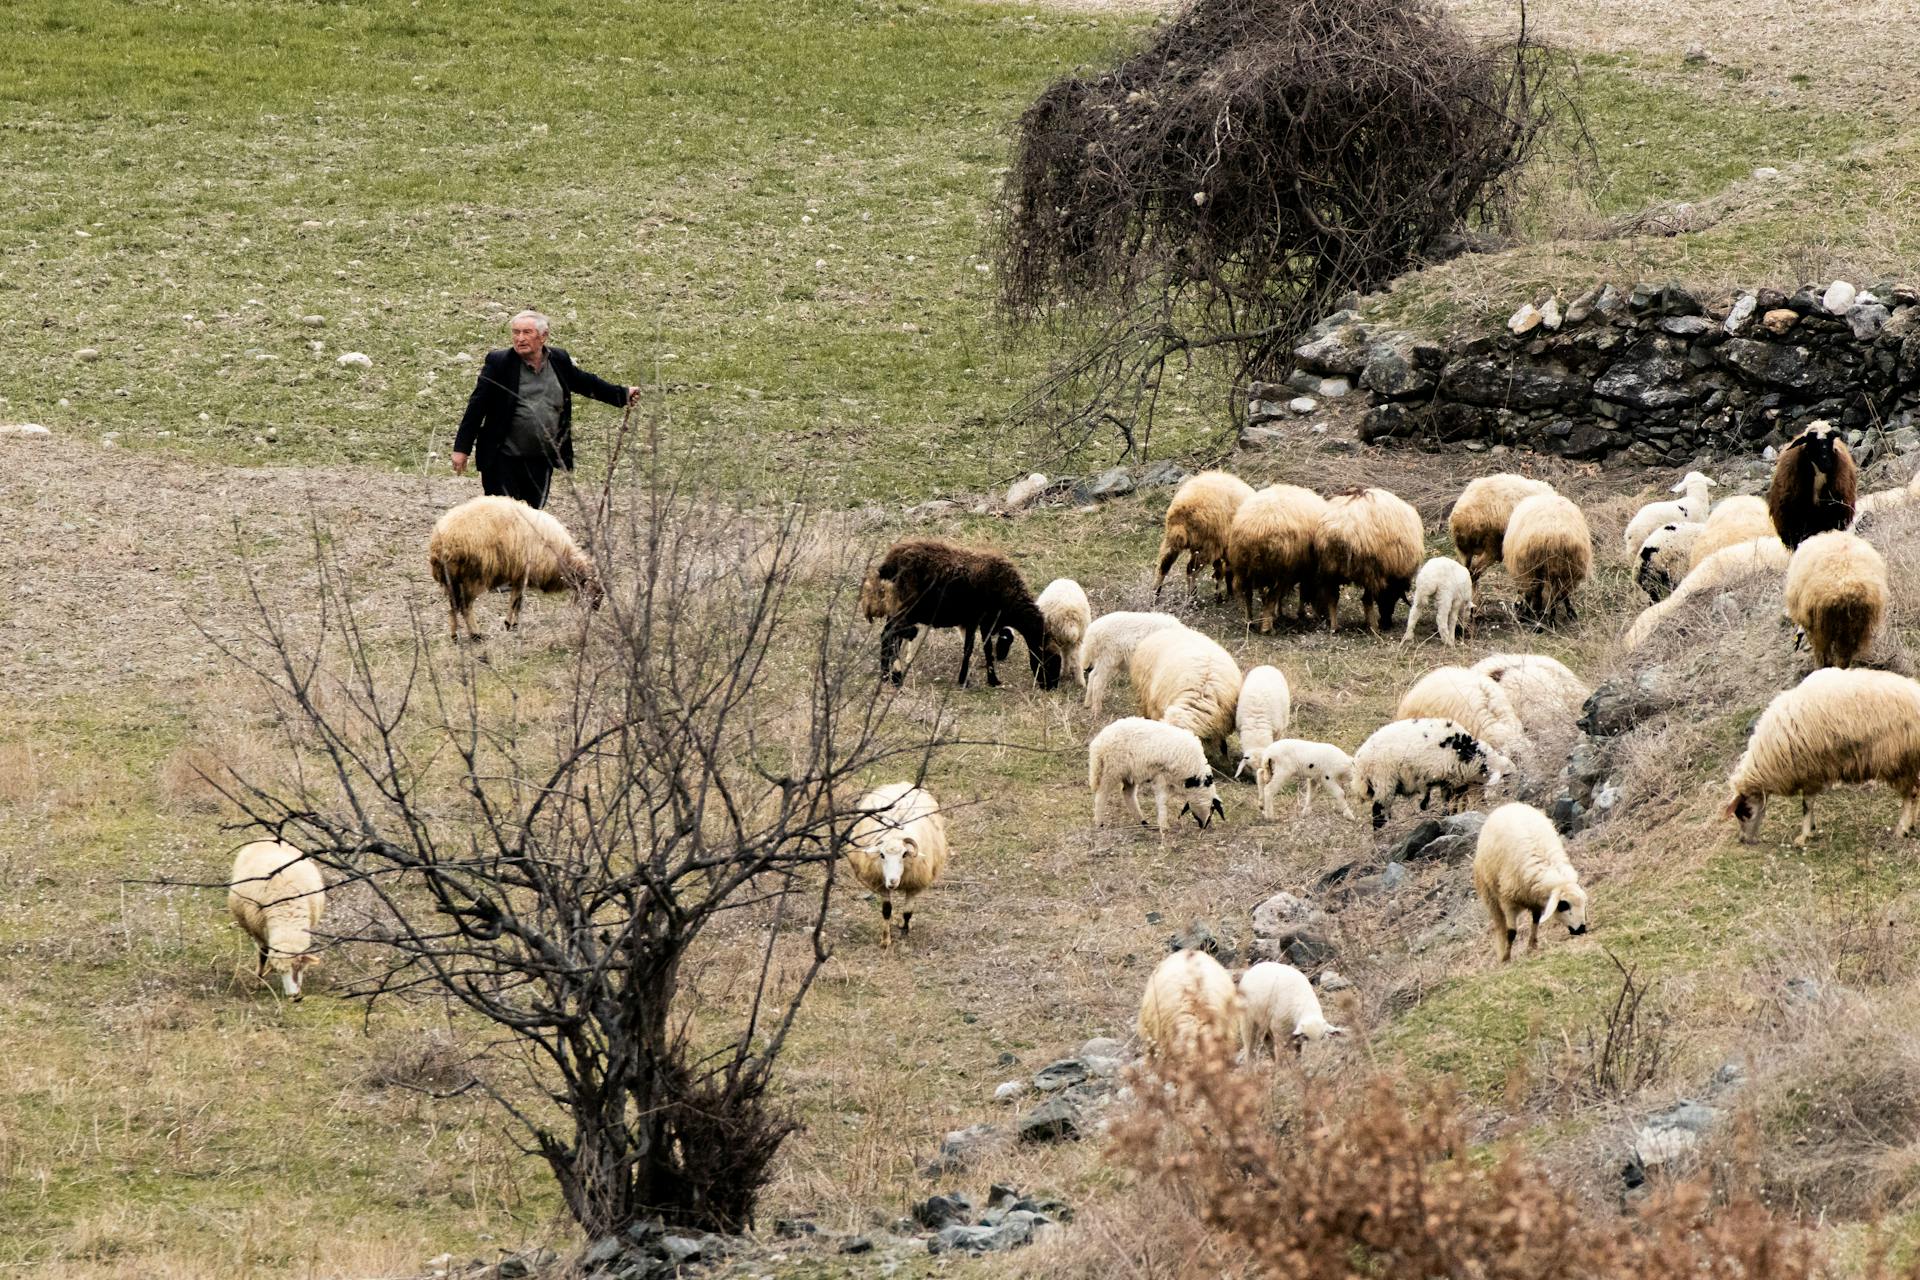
x=1187, y=679
x=1370, y=538
x=1549, y=552
x=1278, y=1006
x=1198, y=518
x=490, y=542
x=278, y=895
x=1478, y=521
x=1109, y=646
x=1814, y=485
x=1068, y=614
x=1735, y=520
x=938, y=584
x=898, y=846
x=1665, y=556
x=1132, y=752
x=1521, y=872
x=1417, y=758
x=1270, y=549
x=1837, y=594
x=1837, y=725
x=1690, y=509
x=1190, y=1005
x=1447, y=588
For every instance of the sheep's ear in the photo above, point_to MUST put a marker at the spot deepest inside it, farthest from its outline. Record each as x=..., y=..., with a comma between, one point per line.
x=1553, y=904
x=1196, y=781
x=1333, y=1030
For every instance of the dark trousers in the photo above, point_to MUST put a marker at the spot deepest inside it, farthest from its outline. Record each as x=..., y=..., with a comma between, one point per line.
x=523, y=478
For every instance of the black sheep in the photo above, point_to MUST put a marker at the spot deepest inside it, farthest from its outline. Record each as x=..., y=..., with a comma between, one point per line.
x=930, y=583
x=1814, y=485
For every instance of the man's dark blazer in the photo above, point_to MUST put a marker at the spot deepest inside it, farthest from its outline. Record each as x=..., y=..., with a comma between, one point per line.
x=489, y=415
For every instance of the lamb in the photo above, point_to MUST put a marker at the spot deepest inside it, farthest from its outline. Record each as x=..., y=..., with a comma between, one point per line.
x=1814, y=485
x=1473, y=701
x=1418, y=757
x=1448, y=586
x=1734, y=520
x=1721, y=569
x=1190, y=1005
x=1549, y=553
x=1109, y=645
x=1318, y=764
x=1665, y=556
x=1373, y=539
x=1270, y=549
x=1521, y=871
x=1198, y=519
x=1479, y=518
x=1837, y=594
x=1265, y=706
x=278, y=895
x=1067, y=613
x=1278, y=1005
x=1690, y=509
x=1134, y=751
x=1837, y=725
x=939, y=584
x=1188, y=680
x=1543, y=692
x=490, y=542
x=898, y=846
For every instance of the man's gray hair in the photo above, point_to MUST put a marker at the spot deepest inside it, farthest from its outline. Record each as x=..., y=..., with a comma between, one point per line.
x=539, y=321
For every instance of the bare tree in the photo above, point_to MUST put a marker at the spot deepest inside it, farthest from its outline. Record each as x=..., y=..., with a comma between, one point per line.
x=556, y=852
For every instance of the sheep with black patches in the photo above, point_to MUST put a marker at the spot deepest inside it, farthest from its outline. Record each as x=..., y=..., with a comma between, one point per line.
x=939, y=584
x=1474, y=701
x=1262, y=712
x=1840, y=724
x=277, y=894
x=1278, y=1006
x=1320, y=766
x=1270, y=550
x=1664, y=558
x=1372, y=539
x=489, y=542
x=1197, y=523
x=1134, y=752
x=898, y=847
x=1735, y=520
x=1521, y=872
x=1417, y=758
x=1478, y=521
x=1815, y=483
x=1543, y=692
x=1067, y=614
x=1724, y=568
x=1108, y=648
x=1447, y=587
x=1690, y=509
x=1189, y=680
x=1549, y=552
x=1190, y=1005
x=1837, y=594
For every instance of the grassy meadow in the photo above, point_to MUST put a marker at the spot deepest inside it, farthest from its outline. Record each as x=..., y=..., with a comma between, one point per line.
x=775, y=216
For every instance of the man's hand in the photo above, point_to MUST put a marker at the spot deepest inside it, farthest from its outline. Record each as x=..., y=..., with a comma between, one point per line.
x=459, y=464
x=633, y=395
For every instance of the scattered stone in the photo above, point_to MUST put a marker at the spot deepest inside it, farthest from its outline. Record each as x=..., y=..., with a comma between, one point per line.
x=313, y=322
x=1116, y=482
x=1060, y=1118
x=1261, y=437
x=1766, y=173
x=1259, y=411
x=1867, y=320
x=1687, y=326
x=1667, y=1138
x=1618, y=706
x=1385, y=881
x=793, y=1228
x=934, y=509
x=678, y=1250
x=1340, y=352
x=936, y=1212
x=1838, y=297
x=960, y=1149
x=1016, y=1229
x=1415, y=842
x=856, y=1244
x=1303, y=405
x=1740, y=315
x=1060, y=1075
x=1198, y=937
x=1024, y=493
x=1525, y=320
x=1010, y=1091
x=1334, y=980
x=1334, y=388
x=1160, y=475
x=1103, y=1047
x=355, y=360
x=1695, y=55
x=1550, y=314
x=24, y=430
x=605, y=1250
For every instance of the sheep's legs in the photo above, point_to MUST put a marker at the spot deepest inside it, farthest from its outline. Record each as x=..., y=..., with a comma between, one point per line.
x=1908, y=811
x=966, y=653
x=1133, y=797
x=1097, y=685
x=990, y=640
x=1806, y=823
x=1533, y=931
x=1339, y=800
x=1160, y=804
x=513, y=605
x=892, y=636
x=1166, y=563
x=906, y=924
x=886, y=922
x=262, y=970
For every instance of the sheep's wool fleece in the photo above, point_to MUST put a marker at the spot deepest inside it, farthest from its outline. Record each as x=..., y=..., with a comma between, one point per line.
x=1837, y=725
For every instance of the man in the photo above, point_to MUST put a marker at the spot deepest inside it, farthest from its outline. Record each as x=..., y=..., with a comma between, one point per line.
x=519, y=420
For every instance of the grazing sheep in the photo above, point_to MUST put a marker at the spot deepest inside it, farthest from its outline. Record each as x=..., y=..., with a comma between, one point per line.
x=1721, y=569
x=1479, y=518
x=1837, y=594
x=1109, y=646
x=1067, y=613
x=1881, y=501
x=1270, y=549
x=1370, y=538
x=1278, y=1004
x=1318, y=765
x=1814, y=485
x=278, y=895
x=880, y=600
x=1186, y=679
x=1419, y=757
x=1549, y=553
x=898, y=846
x=490, y=542
x=938, y=584
x=1664, y=558
x=1198, y=519
x=1520, y=871
x=1190, y=1005
x=1448, y=586
x=1265, y=706
x=1689, y=509
x=1544, y=693
x=1837, y=725
x=1134, y=751
x=1735, y=520
x=1474, y=701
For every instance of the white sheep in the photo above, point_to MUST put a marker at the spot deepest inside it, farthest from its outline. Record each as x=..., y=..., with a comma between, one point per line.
x=1109, y=645
x=1724, y=568
x=490, y=542
x=1665, y=556
x=1132, y=752
x=1265, y=706
x=1478, y=521
x=1836, y=593
x=898, y=846
x=1691, y=509
x=1474, y=701
x=1549, y=552
x=1521, y=871
x=1417, y=758
x=1319, y=765
x=278, y=895
x=1448, y=587
x=1190, y=1004
x=1187, y=679
x=1068, y=614
x=1278, y=1004
x=1741, y=518
x=1198, y=519
x=1542, y=691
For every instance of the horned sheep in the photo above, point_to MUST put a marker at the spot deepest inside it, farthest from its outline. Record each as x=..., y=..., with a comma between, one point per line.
x=1419, y=757
x=1479, y=518
x=898, y=847
x=1837, y=593
x=491, y=541
x=1549, y=552
x=1134, y=752
x=1689, y=509
x=1447, y=587
x=1067, y=614
x=1198, y=520
x=1270, y=549
x=1319, y=765
x=1188, y=680
x=1190, y=1005
x=1278, y=1005
x=1261, y=715
x=1372, y=539
x=939, y=584
x=1473, y=701
x=1109, y=645
x=1521, y=871
x=278, y=895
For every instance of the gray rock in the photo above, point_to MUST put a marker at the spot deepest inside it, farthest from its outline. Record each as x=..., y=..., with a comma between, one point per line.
x=1016, y=1229
x=1259, y=411
x=1334, y=980
x=960, y=1149
x=678, y=1250
x=1283, y=919
x=1010, y=1091
x=1495, y=382
x=1302, y=405
x=1024, y=493
x=1654, y=381
x=793, y=1228
x=1695, y=54
x=1104, y=1047
x=856, y=1244
x=1160, y=475
x=936, y=509
x=1773, y=363
x=1838, y=298
x=1060, y=1075
x=1618, y=706
x=87, y=355
x=1340, y=352
x=1334, y=388
x=1866, y=320
x=605, y=1250
x=1002, y=1196
x=1525, y=320
x=1198, y=937
x=1385, y=881
x=1687, y=326
x=1667, y=1139
x=936, y=1212
x=1261, y=437
x=1115, y=482
x=1414, y=842
x=1740, y=315
x=1060, y=1118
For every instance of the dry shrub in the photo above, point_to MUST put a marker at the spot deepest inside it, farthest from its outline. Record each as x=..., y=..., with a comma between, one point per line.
x=1629, y=1048
x=429, y=1062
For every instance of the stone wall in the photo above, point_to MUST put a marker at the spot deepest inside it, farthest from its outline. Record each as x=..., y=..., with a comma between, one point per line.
x=1647, y=376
